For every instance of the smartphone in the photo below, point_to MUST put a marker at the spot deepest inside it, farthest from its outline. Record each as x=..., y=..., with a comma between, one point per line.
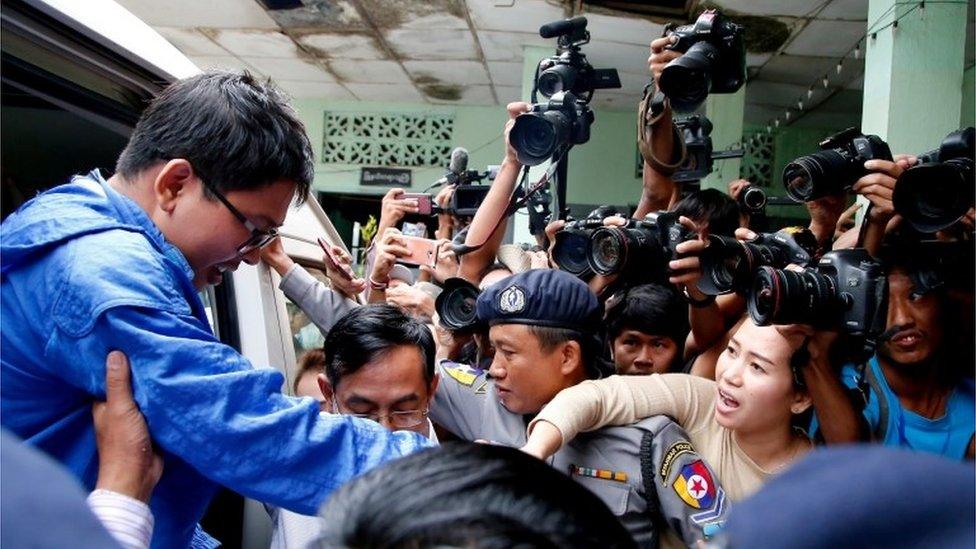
x=423, y=251
x=425, y=202
x=334, y=264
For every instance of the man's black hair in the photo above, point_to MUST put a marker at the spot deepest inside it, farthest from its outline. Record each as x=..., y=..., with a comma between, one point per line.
x=713, y=206
x=468, y=495
x=236, y=132
x=653, y=309
x=366, y=333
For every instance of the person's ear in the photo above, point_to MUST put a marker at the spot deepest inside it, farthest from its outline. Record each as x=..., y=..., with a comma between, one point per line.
x=327, y=391
x=433, y=385
x=571, y=356
x=172, y=183
x=801, y=402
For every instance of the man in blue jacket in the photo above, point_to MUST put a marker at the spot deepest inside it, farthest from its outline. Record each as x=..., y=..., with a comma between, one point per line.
x=95, y=265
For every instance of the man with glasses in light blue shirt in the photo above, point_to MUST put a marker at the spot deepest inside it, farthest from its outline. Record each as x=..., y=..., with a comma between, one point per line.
x=99, y=265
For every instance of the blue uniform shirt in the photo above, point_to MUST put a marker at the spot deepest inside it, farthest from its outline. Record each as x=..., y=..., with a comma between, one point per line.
x=85, y=271
x=948, y=435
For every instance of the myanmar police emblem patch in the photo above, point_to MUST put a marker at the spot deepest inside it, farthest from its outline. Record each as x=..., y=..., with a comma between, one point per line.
x=695, y=485
x=512, y=300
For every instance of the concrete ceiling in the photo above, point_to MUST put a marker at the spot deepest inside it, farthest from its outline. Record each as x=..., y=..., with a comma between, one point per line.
x=470, y=51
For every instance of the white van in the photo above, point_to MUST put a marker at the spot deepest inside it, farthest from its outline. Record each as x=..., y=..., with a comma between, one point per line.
x=75, y=77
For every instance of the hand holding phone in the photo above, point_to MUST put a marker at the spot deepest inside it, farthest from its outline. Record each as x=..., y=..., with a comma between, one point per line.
x=425, y=202
x=333, y=261
x=423, y=251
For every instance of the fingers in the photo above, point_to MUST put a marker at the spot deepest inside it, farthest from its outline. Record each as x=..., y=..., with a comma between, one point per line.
x=614, y=221
x=392, y=194
x=658, y=44
x=691, y=246
x=118, y=385
x=555, y=227
x=687, y=223
x=884, y=166
x=396, y=250
x=744, y=234
x=517, y=107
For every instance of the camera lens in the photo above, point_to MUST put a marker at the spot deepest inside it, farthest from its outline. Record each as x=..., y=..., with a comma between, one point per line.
x=687, y=80
x=933, y=197
x=569, y=251
x=813, y=176
x=535, y=136
x=726, y=265
x=608, y=250
x=753, y=199
x=556, y=79
x=457, y=305
x=779, y=296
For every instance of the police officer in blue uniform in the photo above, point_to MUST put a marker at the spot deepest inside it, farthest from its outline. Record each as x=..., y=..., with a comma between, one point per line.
x=543, y=325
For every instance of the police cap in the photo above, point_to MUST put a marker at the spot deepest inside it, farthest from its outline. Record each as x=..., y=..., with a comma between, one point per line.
x=541, y=297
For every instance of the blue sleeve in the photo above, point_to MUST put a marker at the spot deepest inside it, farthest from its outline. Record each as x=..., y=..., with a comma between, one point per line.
x=871, y=411
x=206, y=404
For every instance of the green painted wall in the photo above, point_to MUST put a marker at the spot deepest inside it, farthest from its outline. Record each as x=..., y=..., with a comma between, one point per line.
x=967, y=116
x=601, y=171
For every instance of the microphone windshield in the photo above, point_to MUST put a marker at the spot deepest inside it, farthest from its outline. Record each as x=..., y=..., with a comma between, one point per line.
x=459, y=160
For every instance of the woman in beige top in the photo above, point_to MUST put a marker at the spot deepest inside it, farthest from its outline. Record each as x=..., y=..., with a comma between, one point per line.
x=741, y=424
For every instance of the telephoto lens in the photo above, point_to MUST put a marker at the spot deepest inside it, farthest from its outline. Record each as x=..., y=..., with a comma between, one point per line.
x=835, y=168
x=556, y=79
x=728, y=264
x=780, y=296
x=846, y=291
x=536, y=135
x=936, y=193
x=457, y=305
x=613, y=248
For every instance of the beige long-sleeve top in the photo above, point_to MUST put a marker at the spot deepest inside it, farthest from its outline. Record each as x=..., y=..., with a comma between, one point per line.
x=690, y=400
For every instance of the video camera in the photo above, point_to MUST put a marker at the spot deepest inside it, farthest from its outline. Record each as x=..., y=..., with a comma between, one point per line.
x=714, y=61
x=728, y=265
x=835, y=169
x=567, y=80
x=696, y=131
x=939, y=190
x=468, y=195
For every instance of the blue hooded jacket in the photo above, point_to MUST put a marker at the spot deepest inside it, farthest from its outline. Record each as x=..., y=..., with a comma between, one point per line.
x=83, y=271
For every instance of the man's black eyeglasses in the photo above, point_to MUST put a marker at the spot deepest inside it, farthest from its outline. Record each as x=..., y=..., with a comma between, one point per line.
x=259, y=238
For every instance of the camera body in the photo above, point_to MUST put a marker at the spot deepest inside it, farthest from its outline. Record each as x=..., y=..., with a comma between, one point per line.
x=835, y=169
x=696, y=131
x=728, y=265
x=550, y=128
x=639, y=251
x=847, y=290
x=714, y=60
x=935, y=193
x=470, y=192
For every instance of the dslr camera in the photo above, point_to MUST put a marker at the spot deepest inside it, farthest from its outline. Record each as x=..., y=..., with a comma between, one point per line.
x=846, y=290
x=571, y=245
x=835, y=169
x=938, y=191
x=728, y=265
x=714, y=61
x=639, y=251
x=550, y=128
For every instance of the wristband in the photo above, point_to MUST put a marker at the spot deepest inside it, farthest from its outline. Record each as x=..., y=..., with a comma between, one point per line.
x=378, y=285
x=697, y=303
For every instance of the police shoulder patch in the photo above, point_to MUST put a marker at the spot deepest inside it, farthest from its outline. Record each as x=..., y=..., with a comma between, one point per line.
x=462, y=373
x=512, y=300
x=695, y=485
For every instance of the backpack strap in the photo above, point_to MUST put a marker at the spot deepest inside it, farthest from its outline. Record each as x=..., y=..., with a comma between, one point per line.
x=871, y=384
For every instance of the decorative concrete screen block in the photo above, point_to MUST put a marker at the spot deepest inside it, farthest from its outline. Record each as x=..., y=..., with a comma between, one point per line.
x=757, y=164
x=387, y=138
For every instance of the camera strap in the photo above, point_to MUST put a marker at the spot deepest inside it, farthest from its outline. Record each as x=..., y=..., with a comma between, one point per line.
x=650, y=110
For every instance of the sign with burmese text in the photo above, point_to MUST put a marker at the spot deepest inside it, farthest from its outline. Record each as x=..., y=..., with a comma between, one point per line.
x=387, y=177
